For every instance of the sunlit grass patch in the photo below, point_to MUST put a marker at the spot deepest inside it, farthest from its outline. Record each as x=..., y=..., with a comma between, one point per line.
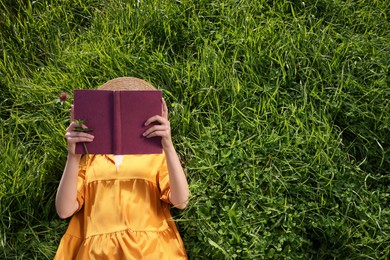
x=280, y=114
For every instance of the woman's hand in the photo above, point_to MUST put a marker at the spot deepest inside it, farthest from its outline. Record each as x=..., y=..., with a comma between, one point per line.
x=178, y=182
x=66, y=198
x=163, y=129
x=72, y=137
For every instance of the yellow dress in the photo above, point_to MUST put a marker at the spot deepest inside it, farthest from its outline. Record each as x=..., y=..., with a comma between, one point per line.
x=124, y=212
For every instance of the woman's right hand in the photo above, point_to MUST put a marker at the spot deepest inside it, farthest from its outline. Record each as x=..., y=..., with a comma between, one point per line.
x=72, y=137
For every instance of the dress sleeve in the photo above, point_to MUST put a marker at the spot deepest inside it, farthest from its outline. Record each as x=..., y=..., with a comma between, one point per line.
x=81, y=181
x=163, y=182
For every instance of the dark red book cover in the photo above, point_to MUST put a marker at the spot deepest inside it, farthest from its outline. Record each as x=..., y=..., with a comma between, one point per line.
x=117, y=120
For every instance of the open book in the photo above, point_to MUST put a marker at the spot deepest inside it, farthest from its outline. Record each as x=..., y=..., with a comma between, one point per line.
x=117, y=120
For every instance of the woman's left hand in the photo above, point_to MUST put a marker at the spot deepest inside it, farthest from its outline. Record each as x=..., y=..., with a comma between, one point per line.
x=177, y=179
x=162, y=129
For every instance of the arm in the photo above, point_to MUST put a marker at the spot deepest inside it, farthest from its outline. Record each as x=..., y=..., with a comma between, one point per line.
x=179, y=187
x=66, y=198
x=178, y=182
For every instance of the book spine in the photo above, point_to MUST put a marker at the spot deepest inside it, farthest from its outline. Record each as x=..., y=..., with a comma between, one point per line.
x=117, y=142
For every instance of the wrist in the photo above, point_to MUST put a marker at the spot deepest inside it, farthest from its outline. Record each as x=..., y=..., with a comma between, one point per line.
x=169, y=148
x=74, y=157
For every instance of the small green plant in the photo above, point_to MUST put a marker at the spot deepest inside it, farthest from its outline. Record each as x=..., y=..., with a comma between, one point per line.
x=80, y=128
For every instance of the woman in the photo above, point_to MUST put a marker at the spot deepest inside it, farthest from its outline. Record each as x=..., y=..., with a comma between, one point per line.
x=120, y=204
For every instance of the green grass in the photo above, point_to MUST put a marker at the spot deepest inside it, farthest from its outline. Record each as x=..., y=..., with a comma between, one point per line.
x=280, y=114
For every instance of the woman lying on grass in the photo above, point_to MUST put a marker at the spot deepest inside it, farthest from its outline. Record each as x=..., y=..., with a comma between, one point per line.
x=120, y=204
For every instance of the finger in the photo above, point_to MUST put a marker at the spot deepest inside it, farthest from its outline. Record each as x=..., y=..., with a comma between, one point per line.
x=71, y=113
x=79, y=139
x=73, y=125
x=155, y=118
x=164, y=109
x=71, y=138
x=160, y=133
x=156, y=128
x=82, y=134
x=73, y=134
x=70, y=127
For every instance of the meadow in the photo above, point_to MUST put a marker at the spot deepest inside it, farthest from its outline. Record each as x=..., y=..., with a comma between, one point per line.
x=279, y=110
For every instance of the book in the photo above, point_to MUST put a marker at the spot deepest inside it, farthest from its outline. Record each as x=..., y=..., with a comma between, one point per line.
x=117, y=119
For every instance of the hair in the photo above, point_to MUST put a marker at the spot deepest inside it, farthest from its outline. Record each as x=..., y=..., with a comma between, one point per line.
x=126, y=83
